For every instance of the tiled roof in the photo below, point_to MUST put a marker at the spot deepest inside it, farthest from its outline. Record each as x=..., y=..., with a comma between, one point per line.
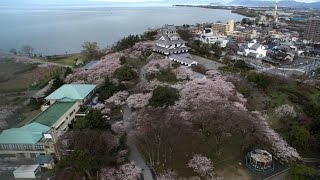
x=28, y=134
x=90, y=64
x=43, y=159
x=53, y=113
x=71, y=92
x=182, y=59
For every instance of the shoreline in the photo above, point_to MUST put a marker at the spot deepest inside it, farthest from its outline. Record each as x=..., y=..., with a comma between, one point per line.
x=233, y=9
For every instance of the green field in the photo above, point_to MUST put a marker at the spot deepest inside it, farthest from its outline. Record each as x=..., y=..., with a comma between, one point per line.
x=19, y=77
x=68, y=60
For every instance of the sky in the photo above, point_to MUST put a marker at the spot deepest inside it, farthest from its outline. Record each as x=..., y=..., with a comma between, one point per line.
x=83, y=2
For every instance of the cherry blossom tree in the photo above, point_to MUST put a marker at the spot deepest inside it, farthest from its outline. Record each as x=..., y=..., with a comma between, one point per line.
x=118, y=98
x=183, y=73
x=168, y=175
x=157, y=65
x=128, y=171
x=139, y=100
x=202, y=165
x=285, y=111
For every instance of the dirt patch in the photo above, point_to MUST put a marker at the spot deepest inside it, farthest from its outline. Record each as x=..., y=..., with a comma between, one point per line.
x=235, y=172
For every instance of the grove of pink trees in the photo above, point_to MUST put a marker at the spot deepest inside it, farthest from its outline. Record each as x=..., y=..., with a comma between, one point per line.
x=280, y=147
x=196, y=92
x=140, y=100
x=128, y=171
x=97, y=74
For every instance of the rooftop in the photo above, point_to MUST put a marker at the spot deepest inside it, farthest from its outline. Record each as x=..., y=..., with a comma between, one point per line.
x=28, y=134
x=26, y=168
x=71, y=92
x=43, y=159
x=53, y=113
x=89, y=65
x=183, y=58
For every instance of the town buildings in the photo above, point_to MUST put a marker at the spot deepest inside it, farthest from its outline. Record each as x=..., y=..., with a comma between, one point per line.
x=242, y=36
x=223, y=28
x=210, y=36
x=252, y=49
x=312, y=30
x=173, y=47
x=39, y=136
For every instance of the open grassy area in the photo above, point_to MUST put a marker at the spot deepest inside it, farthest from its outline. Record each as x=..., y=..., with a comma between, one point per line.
x=29, y=80
x=164, y=76
x=9, y=69
x=68, y=60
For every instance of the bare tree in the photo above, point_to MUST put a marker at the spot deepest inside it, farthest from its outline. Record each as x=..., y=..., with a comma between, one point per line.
x=91, y=49
x=27, y=50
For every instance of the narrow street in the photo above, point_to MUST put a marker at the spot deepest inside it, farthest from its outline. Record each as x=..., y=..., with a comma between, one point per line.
x=135, y=156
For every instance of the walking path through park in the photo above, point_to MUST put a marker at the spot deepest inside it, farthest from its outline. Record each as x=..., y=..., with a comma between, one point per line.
x=135, y=156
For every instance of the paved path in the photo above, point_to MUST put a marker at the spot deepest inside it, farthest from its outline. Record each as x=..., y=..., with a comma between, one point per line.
x=42, y=92
x=49, y=63
x=207, y=63
x=283, y=175
x=135, y=155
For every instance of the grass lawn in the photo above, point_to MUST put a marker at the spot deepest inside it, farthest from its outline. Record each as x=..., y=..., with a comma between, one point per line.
x=9, y=69
x=29, y=80
x=164, y=76
x=69, y=60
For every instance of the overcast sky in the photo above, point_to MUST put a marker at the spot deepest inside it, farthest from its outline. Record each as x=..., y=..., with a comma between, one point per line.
x=50, y=2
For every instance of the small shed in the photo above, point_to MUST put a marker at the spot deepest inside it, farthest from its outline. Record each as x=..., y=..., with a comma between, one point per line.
x=45, y=161
x=27, y=171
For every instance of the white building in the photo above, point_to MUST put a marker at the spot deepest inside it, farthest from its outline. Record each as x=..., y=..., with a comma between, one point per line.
x=170, y=42
x=253, y=49
x=211, y=37
x=173, y=47
x=27, y=172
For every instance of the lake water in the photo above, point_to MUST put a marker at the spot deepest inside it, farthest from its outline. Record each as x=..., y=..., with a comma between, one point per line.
x=64, y=29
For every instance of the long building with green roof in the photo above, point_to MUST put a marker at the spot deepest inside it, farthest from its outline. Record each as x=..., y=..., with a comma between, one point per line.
x=39, y=136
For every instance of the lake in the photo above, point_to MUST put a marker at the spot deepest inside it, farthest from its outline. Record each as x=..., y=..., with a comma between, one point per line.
x=59, y=30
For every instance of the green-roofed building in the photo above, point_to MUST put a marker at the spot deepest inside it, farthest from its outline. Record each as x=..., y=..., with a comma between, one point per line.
x=50, y=116
x=28, y=134
x=71, y=92
x=63, y=107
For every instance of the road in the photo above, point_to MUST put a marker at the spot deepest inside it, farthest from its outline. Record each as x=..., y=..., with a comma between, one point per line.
x=135, y=156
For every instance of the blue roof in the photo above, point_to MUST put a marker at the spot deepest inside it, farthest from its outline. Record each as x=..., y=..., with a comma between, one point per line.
x=28, y=134
x=89, y=65
x=71, y=92
x=43, y=159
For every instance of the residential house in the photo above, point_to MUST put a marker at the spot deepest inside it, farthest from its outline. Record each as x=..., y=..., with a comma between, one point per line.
x=252, y=49
x=211, y=37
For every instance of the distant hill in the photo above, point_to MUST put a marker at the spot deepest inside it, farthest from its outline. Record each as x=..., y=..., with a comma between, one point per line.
x=265, y=3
